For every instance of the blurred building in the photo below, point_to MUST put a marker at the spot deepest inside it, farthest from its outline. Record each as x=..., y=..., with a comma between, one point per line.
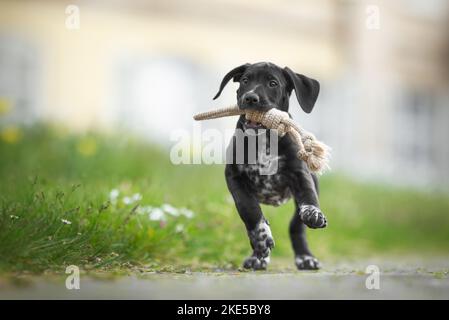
x=147, y=66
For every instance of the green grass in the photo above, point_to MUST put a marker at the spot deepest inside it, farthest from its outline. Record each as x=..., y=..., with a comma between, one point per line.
x=49, y=175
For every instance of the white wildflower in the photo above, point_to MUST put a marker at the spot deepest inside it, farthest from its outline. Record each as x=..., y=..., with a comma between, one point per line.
x=170, y=209
x=130, y=200
x=14, y=217
x=144, y=210
x=187, y=213
x=113, y=195
x=127, y=200
x=179, y=228
x=157, y=214
x=136, y=197
x=66, y=221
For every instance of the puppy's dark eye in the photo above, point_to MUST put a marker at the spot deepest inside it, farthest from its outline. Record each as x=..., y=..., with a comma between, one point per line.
x=272, y=83
x=244, y=80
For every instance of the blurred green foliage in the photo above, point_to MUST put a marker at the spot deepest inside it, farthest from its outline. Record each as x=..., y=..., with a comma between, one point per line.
x=55, y=210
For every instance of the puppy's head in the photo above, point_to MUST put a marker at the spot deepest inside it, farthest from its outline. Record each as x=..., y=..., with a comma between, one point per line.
x=264, y=86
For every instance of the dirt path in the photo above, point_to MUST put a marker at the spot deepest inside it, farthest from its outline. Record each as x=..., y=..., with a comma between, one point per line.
x=404, y=280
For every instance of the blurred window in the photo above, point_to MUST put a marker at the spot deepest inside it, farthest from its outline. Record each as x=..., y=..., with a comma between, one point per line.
x=158, y=95
x=18, y=80
x=431, y=9
x=414, y=128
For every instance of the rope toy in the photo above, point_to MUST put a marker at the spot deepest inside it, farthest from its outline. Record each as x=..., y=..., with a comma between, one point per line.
x=315, y=153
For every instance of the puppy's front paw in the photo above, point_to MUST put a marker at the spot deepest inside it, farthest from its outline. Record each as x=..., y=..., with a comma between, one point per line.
x=262, y=243
x=312, y=216
x=307, y=262
x=255, y=263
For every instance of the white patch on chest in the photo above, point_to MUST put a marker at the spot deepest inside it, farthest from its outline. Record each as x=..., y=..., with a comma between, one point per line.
x=270, y=189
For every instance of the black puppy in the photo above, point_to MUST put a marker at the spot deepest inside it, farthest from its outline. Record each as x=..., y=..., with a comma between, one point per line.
x=264, y=86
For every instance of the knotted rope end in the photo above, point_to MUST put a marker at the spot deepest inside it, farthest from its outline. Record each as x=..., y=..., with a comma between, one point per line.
x=316, y=154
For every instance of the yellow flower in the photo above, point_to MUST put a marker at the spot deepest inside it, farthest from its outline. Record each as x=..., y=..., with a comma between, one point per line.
x=11, y=134
x=5, y=105
x=87, y=146
x=150, y=232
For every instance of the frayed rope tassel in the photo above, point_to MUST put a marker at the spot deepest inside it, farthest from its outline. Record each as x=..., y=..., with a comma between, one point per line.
x=315, y=153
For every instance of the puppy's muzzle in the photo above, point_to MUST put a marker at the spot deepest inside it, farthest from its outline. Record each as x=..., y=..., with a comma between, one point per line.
x=251, y=100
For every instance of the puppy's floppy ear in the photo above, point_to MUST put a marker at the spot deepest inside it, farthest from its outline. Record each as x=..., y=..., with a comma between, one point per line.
x=235, y=74
x=306, y=89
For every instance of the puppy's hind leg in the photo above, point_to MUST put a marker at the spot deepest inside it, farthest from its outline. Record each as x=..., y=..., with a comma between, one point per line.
x=304, y=259
x=307, y=213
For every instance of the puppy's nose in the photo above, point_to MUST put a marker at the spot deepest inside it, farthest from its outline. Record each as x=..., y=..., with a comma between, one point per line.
x=251, y=98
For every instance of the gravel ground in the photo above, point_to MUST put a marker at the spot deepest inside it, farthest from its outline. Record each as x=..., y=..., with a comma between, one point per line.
x=404, y=280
